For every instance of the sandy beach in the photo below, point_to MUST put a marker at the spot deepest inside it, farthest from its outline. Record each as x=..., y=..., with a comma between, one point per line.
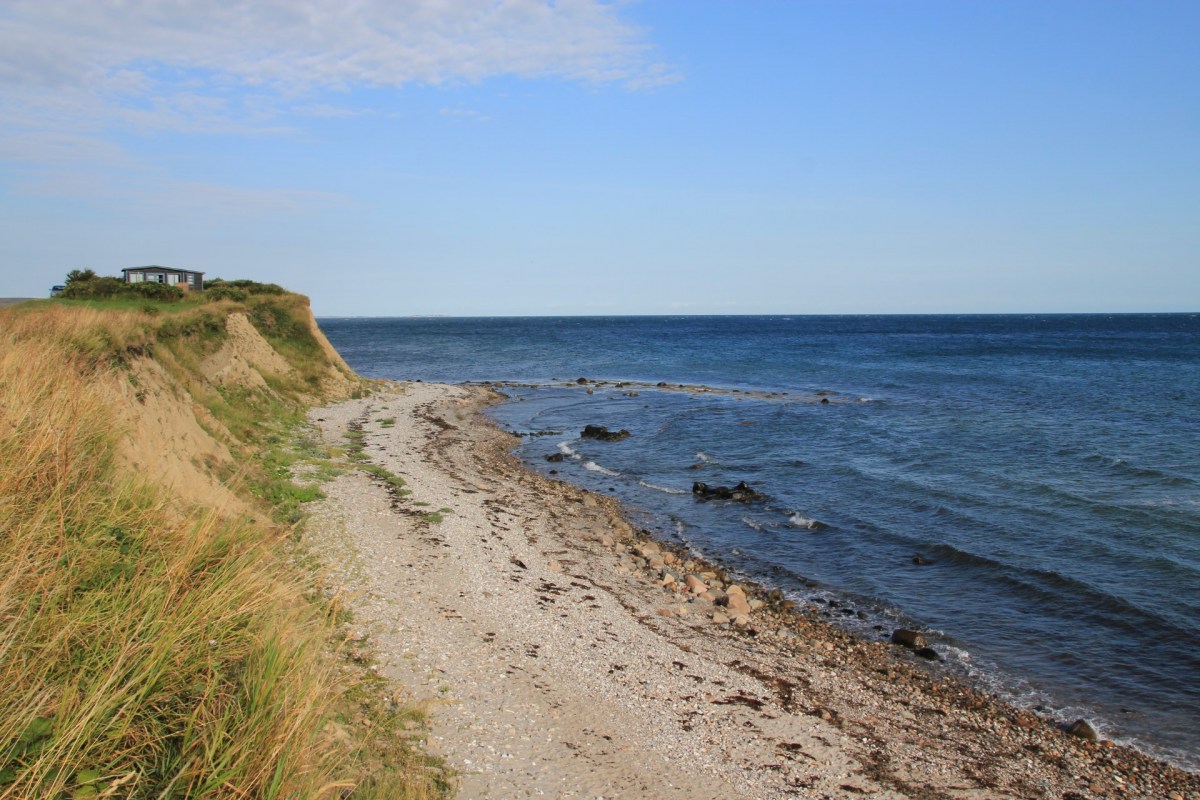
x=566, y=655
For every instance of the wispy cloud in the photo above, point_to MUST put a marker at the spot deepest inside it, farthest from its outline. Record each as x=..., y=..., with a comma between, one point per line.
x=76, y=73
x=465, y=113
x=173, y=54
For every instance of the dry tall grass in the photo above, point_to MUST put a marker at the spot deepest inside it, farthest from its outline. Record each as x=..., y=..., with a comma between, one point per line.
x=143, y=652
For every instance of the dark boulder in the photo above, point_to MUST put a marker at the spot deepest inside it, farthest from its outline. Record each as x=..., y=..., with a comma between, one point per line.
x=908, y=638
x=928, y=653
x=603, y=434
x=556, y=457
x=1083, y=729
x=742, y=493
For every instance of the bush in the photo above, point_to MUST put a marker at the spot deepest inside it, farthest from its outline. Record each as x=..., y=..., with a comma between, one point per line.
x=223, y=291
x=218, y=289
x=105, y=288
x=156, y=291
x=93, y=288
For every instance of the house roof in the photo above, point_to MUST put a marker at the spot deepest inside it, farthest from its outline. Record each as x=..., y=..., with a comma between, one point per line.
x=156, y=268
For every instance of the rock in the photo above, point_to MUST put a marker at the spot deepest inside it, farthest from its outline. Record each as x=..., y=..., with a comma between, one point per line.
x=665, y=612
x=736, y=604
x=920, y=560
x=719, y=619
x=603, y=434
x=756, y=604
x=929, y=653
x=742, y=493
x=695, y=585
x=1082, y=729
x=908, y=638
x=581, y=381
x=741, y=620
x=554, y=566
x=556, y=457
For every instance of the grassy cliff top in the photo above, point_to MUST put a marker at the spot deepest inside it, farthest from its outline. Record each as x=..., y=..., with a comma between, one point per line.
x=158, y=637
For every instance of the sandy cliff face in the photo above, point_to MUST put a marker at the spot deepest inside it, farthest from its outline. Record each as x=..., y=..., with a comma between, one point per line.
x=172, y=438
x=340, y=380
x=166, y=442
x=244, y=357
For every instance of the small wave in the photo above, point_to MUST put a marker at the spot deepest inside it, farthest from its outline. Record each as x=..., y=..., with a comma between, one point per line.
x=664, y=489
x=592, y=466
x=566, y=450
x=704, y=458
x=753, y=524
x=800, y=521
x=1121, y=466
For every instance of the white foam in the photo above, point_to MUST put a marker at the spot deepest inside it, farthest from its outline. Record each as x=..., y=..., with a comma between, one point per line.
x=565, y=449
x=753, y=524
x=804, y=522
x=704, y=458
x=664, y=489
x=592, y=466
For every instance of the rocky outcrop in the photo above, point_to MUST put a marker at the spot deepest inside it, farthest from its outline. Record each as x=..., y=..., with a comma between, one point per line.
x=603, y=434
x=742, y=493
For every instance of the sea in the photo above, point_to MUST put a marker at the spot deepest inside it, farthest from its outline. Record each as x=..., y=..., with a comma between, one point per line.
x=1024, y=489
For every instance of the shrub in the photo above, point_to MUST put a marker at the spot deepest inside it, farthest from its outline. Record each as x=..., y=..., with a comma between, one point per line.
x=93, y=288
x=105, y=288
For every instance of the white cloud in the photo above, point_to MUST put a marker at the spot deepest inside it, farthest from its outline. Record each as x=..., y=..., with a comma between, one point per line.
x=86, y=68
x=77, y=74
x=299, y=45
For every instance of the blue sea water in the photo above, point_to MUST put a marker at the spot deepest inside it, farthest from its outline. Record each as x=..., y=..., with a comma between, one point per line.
x=1046, y=466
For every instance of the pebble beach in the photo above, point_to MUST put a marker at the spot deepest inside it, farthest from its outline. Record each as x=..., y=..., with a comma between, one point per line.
x=564, y=653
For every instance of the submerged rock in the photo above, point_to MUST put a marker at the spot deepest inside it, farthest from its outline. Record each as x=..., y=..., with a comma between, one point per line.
x=603, y=434
x=556, y=457
x=742, y=493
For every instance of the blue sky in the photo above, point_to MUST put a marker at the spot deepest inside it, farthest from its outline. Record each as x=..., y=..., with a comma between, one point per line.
x=497, y=157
